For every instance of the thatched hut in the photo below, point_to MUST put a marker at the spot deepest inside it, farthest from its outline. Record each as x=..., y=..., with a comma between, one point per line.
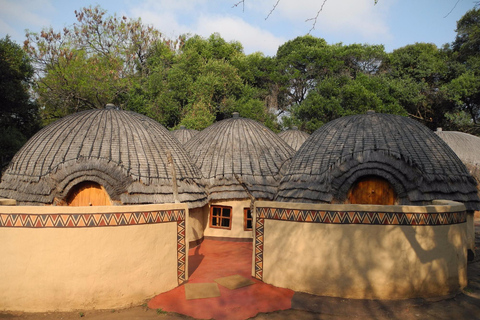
x=377, y=159
x=183, y=134
x=102, y=157
x=241, y=160
x=294, y=137
x=467, y=148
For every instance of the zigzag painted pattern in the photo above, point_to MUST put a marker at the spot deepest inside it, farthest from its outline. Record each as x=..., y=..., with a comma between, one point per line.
x=259, y=248
x=90, y=220
x=361, y=217
x=181, y=252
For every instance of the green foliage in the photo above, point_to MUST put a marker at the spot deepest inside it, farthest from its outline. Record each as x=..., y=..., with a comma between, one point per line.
x=198, y=84
x=198, y=116
x=362, y=58
x=78, y=82
x=161, y=311
x=420, y=71
x=420, y=61
x=196, y=81
x=463, y=90
x=467, y=41
x=18, y=113
x=11, y=140
x=301, y=64
x=341, y=96
x=89, y=64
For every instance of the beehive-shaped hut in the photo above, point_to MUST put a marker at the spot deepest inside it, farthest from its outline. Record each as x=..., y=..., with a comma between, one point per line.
x=240, y=160
x=183, y=134
x=101, y=157
x=467, y=148
x=294, y=137
x=377, y=159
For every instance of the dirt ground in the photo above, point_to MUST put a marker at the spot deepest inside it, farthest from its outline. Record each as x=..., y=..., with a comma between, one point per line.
x=465, y=305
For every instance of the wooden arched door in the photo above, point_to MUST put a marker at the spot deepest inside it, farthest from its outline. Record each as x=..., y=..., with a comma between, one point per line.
x=88, y=193
x=371, y=190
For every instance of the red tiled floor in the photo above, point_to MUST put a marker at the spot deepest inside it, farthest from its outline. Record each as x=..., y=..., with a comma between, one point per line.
x=216, y=259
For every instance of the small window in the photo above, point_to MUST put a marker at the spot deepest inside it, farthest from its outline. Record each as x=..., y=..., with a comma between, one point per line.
x=221, y=217
x=247, y=219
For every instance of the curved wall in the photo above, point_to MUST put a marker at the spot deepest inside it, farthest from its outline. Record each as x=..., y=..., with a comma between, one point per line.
x=362, y=251
x=237, y=230
x=67, y=258
x=196, y=222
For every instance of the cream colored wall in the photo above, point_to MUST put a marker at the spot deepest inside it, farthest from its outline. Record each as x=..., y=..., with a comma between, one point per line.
x=364, y=261
x=471, y=231
x=63, y=269
x=196, y=223
x=237, y=230
x=7, y=202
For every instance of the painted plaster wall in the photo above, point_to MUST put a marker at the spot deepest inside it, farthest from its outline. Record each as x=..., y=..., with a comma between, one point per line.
x=7, y=202
x=237, y=230
x=101, y=267
x=471, y=231
x=363, y=261
x=196, y=222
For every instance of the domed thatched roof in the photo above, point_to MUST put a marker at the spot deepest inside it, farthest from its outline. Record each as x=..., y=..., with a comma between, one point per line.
x=467, y=148
x=294, y=137
x=183, y=134
x=417, y=163
x=129, y=154
x=237, y=154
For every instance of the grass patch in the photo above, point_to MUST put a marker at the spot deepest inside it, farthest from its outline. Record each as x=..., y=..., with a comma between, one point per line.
x=161, y=311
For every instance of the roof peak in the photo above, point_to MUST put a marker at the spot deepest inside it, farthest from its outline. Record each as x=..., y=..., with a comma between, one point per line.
x=111, y=106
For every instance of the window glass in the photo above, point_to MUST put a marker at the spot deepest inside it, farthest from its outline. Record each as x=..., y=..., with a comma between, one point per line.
x=220, y=217
x=248, y=221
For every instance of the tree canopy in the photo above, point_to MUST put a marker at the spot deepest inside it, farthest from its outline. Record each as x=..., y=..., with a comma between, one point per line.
x=195, y=81
x=18, y=111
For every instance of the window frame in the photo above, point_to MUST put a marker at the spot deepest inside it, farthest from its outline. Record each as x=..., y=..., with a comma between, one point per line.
x=246, y=218
x=221, y=217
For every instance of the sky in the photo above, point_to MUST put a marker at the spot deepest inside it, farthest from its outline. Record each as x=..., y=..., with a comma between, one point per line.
x=392, y=23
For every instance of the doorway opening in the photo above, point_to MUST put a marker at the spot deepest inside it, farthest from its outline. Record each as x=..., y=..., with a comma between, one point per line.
x=372, y=190
x=88, y=193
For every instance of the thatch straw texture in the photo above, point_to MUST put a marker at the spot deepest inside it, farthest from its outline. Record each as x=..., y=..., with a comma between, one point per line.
x=240, y=159
x=294, y=137
x=183, y=134
x=467, y=148
x=124, y=151
x=416, y=162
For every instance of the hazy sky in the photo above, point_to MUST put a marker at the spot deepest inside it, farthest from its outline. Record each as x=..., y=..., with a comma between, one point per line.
x=393, y=23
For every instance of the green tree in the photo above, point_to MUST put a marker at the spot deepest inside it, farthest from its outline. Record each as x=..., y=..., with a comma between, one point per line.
x=18, y=112
x=421, y=70
x=467, y=41
x=463, y=90
x=200, y=83
x=362, y=58
x=340, y=96
x=301, y=64
x=93, y=62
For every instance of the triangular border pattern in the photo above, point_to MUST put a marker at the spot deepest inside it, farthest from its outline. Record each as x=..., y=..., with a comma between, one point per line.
x=345, y=217
x=363, y=217
x=89, y=220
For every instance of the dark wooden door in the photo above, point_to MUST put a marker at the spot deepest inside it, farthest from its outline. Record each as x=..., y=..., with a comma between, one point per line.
x=88, y=193
x=371, y=190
